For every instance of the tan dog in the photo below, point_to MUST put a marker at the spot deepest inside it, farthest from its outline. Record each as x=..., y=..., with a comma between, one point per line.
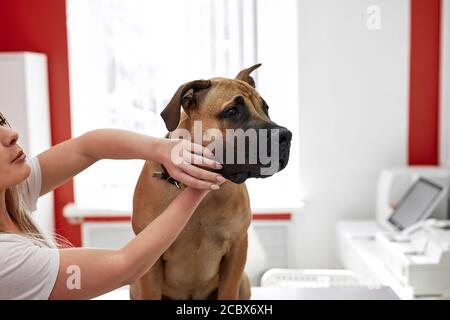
x=208, y=258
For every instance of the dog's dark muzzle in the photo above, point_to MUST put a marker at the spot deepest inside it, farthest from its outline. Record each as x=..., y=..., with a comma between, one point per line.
x=256, y=152
x=285, y=137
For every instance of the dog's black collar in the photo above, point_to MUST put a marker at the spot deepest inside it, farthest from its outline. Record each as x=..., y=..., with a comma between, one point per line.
x=163, y=174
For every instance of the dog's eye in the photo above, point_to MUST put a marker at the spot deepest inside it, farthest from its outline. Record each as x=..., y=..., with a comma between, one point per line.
x=232, y=112
x=235, y=111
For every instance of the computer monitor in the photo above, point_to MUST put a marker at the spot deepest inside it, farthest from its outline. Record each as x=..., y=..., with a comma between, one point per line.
x=417, y=204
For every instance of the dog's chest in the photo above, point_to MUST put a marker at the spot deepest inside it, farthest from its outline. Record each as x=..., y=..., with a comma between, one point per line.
x=207, y=236
x=195, y=257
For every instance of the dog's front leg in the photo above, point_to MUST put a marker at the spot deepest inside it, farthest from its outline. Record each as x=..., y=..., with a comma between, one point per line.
x=231, y=270
x=151, y=283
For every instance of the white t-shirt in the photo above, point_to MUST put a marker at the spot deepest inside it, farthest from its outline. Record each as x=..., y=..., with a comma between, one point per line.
x=27, y=269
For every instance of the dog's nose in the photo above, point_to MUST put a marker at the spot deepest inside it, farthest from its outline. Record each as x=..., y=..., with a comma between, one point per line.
x=282, y=135
x=285, y=136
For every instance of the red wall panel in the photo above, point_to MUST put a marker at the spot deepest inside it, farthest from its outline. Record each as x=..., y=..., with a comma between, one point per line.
x=40, y=26
x=424, y=82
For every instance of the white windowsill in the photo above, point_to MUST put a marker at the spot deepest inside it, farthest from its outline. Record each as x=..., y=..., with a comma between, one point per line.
x=74, y=213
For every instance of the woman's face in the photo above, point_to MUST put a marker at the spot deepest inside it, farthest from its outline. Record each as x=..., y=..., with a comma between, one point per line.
x=13, y=167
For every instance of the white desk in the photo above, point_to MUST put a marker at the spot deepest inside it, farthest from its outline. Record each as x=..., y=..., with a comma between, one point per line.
x=359, y=253
x=357, y=293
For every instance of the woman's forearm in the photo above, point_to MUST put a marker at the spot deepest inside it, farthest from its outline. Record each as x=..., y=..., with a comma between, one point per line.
x=146, y=248
x=103, y=270
x=119, y=144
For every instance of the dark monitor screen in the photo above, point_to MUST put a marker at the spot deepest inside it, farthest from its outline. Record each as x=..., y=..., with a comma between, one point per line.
x=416, y=204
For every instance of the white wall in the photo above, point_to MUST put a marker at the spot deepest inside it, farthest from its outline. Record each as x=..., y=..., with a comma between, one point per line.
x=353, y=114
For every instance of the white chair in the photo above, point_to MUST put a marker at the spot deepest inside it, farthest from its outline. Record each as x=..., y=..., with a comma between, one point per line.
x=310, y=278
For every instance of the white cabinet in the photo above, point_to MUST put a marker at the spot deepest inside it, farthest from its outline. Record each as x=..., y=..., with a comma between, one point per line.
x=24, y=101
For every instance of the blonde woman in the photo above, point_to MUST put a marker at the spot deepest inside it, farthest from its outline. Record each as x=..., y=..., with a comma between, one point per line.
x=33, y=268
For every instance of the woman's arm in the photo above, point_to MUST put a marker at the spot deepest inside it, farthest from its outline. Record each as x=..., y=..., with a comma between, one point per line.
x=65, y=160
x=104, y=270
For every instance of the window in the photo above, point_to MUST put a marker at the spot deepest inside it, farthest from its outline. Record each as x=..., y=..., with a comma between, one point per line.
x=127, y=58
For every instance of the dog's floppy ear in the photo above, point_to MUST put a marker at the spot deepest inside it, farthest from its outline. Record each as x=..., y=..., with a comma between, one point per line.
x=244, y=75
x=183, y=97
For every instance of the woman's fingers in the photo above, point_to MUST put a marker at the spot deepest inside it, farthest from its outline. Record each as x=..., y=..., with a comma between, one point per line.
x=195, y=183
x=201, y=161
x=202, y=174
x=187, y=161
x=198, y=149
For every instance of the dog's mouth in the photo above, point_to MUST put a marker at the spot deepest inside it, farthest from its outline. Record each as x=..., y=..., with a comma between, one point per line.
x=247, y=156
x=239, y=177
x=240, y=173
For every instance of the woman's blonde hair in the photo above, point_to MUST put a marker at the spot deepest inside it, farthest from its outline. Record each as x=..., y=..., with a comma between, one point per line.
x=21, y=216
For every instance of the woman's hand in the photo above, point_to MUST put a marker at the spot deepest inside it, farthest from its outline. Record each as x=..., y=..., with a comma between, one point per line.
x=184, y=159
